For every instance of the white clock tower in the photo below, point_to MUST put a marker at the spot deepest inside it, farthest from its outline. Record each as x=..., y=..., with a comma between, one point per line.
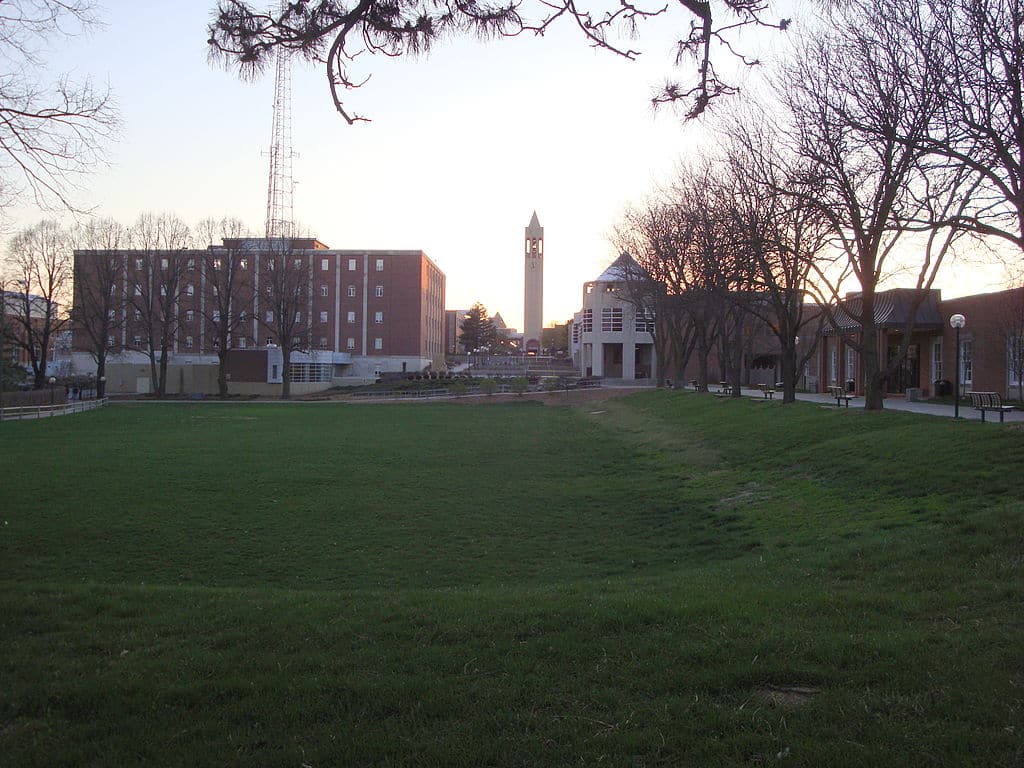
x=533, y=286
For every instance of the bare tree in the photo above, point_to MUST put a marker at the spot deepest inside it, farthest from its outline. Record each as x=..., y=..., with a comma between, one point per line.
x=226, y=293
x=286, y=275
x=1009, y=330
x=161, y=243
x=99, y=313
x=860, y=101
x=40, y=261
x=334, y=33
x=780, y=234
x=49, y=134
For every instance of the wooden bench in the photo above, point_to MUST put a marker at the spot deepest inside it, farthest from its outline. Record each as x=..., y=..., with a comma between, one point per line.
x=767, y=390
x=841, y=395
x=989, y=401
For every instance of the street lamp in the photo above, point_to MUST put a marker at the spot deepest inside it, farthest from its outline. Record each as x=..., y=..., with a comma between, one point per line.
x=958, y=321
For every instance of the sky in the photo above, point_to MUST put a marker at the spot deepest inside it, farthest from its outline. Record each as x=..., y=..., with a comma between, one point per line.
x=464, y=145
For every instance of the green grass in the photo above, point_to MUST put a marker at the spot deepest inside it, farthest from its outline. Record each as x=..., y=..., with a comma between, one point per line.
x=640, y=582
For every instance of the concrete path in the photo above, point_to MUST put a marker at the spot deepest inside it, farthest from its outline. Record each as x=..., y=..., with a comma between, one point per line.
x=901, y=404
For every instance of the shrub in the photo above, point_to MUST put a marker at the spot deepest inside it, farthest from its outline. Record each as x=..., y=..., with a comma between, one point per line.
x=520, y=385
x=458, y=388
x=488, y=386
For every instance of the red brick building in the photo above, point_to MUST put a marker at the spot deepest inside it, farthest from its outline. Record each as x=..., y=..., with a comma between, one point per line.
x=361, y=312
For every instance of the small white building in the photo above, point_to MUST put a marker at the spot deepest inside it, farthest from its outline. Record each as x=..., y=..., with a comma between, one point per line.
x=609, y=337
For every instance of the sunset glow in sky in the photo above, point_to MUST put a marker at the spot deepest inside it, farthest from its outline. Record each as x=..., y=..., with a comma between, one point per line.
x=463, y=146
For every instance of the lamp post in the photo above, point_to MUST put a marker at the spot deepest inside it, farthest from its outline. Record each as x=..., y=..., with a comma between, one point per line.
x=958, y=321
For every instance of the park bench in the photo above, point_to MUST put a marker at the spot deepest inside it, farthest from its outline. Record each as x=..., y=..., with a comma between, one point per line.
x=988, y=401
x=841, y=396
x=724, y=388
x=767, y=390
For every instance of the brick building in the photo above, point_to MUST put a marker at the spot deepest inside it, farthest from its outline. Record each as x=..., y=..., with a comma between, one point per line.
x=361, y=313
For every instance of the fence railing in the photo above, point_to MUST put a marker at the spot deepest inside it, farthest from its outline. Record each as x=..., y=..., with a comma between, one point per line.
x=16, y=413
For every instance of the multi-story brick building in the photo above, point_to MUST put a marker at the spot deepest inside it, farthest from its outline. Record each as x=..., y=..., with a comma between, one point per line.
x=358, y=313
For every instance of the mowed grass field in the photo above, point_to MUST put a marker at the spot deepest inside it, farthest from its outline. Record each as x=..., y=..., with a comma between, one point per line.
x=666, y=579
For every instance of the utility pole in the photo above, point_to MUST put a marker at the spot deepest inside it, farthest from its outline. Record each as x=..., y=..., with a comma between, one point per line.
x=280, y=186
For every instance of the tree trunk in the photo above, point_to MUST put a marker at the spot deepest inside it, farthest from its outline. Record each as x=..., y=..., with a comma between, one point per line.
x=222, y=373
x=153, y=377
x=787, y=364
x=874, y=377
x=161, y=390
x=101, y=373
x=286, y=377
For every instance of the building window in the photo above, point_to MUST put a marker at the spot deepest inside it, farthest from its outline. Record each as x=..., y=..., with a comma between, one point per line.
x=351, y=291
x=138, y=289
x=351, y=265
x=216, y=291
x=188, y=342
x=967, y=362
x=323, y=265
x=138, y=315
x=189, y=315
x=351, y=317
x=216, y=264
x=270, y=316
x=191, y=264
x=611, y=319
x=112, y=314
x=110, y=341
x=834, y=366
x=216, y=316
x=379, y=291
x=645, y=321
x=937, y=360
x=588, y=320
x=351, y=343
x=323, y=342
x=851, y=363
x=163, y=263
x=378, y=343
x=380, y=265
x=297, y=263
x=323, y=317
x=137, y=340
x=243, y=263
x=323, y=290
x=1015, y=359
x=190, y=290
x=138, y=263
x=298, y=317
x=242, y=316
x=241, y=342
x=378, y=317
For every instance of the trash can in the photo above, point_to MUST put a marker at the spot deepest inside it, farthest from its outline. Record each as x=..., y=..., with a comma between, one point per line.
x=851, y=386
x=943, y=387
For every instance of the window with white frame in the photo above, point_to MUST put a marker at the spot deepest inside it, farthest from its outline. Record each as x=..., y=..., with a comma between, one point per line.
x=241, y=342
x=323, y=342
x=163, y=290
x=216, y=264
x=138, y=289
x=189, y=315
x=297, y=263
x=937, y=360
x=163, y=263
x=351, y=265
x=243, y=263
x=190, y=290
x=351, y=317
x=645, y=321
x=350, y=343
x=269, y=317
x=378, y=343
x=834, y=366
x=112, y=314
x=378, y=317
x=611, y=319
x=323, y=265
x=138, y=263
x=191, y=264
x=588, y=320
x=216, y=316
x=967, y=361
x=138, y=315
x=323, y=290
x=137, y=341
x=298, y=317
x=216, y=291
x=323, y=316
x=188, y=342
x=242, y=316
x=380, y=265
x=1015, y=359
x=851, y=363
x=379, y=291
x=351, y=291
x=110, y=341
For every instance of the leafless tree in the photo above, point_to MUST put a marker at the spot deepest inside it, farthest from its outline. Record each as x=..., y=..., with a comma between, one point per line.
x=1009, y=329
x=286, y=274
x=98, y=312
x=50, y=134
x=227, y=293
x=40, y=262
x=860, y=100
x=779, y=234
x=160, y=252
x=334, y=33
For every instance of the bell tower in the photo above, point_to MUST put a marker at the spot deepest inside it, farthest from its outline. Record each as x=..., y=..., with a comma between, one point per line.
x=533, y=286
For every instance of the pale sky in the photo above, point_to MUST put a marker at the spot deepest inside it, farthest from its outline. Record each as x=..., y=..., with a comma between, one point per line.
x=464, y=145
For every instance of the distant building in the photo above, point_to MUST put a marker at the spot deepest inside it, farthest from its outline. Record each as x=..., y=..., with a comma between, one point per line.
x=608, y=337
x=368, y=312
x=533, y=286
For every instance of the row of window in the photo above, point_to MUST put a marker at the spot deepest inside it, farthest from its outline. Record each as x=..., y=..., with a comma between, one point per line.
x=241, y=342
x=244, y=264
x=378, y=317
x=611, y=322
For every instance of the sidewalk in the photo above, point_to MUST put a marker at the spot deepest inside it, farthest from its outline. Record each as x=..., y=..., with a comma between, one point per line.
x=901, y=404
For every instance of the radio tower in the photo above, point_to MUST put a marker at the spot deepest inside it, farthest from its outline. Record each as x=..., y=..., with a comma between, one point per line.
x=280, y=210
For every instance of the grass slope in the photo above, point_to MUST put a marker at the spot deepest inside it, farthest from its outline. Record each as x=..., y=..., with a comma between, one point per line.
x=666, y=579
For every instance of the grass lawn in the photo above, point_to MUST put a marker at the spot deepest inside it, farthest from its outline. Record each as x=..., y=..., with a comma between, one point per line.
x=668, y=579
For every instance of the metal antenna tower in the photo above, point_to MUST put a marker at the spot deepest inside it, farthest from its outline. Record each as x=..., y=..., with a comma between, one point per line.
x=280, y=208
